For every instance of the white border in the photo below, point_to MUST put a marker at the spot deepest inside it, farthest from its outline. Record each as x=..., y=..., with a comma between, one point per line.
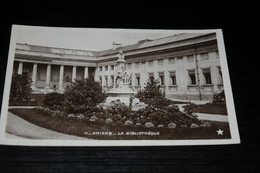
x=235, y=139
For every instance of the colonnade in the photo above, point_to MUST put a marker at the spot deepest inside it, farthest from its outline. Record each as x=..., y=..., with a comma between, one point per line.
x=48, y=74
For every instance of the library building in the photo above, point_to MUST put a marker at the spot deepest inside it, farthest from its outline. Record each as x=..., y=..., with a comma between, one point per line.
x=186, y=65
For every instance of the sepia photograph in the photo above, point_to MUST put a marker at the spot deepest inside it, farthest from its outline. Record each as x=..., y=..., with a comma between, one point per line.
x=117, y=87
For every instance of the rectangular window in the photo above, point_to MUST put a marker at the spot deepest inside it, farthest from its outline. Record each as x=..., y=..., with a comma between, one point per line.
x=192, y=77
x=173, y=78
x=150, y=63
x=207, y=76
x=204, y=56
x=190, y=58
x=112, y=67
x=171, y=60
x=106, y=68
x=112, y=80
x=137, y=65
x=100, y=68
x=161, y=76
x=160, y=61
x=137, y=79
x=151, y=78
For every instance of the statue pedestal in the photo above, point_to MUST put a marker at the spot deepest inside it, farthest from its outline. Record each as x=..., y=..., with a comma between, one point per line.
x=122, y=93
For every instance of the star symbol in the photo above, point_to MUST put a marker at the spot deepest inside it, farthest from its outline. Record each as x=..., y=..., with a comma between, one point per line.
x=220, y=132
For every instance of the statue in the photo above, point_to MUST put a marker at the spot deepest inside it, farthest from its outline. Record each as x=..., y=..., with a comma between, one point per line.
x=119, y=80
x=121, y=56
x=122, y=78
x=122, y=88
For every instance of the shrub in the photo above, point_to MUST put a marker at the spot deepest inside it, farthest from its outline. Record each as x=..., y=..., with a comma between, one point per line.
x=138, y=124
x=219, y=97
x=54, y=101
x=109, y=120
x=149, y=125
x=118, y=109
x=83, y=95
x=160, y=125
x=153, y=96
x=165, y=116
x=190, y=107
x=151, y=91
x=20, y=88
x=93, y=118
x=194, y=125
x=171, y=125
x=128, y=122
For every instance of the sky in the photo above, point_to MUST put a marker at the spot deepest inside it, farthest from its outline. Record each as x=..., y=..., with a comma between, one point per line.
x=85, y=39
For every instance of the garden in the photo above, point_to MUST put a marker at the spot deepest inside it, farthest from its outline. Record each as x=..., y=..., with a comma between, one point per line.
x=79, y=111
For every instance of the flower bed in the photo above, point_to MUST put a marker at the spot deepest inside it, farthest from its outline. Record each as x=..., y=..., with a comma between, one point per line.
x=118, y=114
x=82, y=126
x=78, y=111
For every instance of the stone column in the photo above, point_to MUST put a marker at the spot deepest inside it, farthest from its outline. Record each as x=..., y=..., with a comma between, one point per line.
x=167, y=81
x=34, y=73
x=182, y=77
x=103, y=80
x=86, y=73
x=20, y=68
x=133, y=81
x=96, y=75
x=48, y=76
x=61, y=78
x=74, y=75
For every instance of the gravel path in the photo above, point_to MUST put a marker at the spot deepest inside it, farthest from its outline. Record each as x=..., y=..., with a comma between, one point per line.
x=212, y=117
x=17, y=127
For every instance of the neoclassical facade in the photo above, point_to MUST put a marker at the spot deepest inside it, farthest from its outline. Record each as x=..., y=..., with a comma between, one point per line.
x=186, y=65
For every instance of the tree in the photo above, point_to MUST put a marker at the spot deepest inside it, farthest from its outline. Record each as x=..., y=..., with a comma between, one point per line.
x=83, y=95
x=152, y=95
x=20, y=88
x=151, y=91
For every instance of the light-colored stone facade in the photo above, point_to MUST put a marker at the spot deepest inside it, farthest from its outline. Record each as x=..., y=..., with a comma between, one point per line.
x=187, y=65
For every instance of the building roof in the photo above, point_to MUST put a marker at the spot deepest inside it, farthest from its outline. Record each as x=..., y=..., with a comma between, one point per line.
x=142, y=44
x=170, y=39
x=151, y=43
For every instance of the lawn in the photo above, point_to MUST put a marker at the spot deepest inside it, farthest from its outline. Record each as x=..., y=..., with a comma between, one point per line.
x=210, y=108
x=83, y=128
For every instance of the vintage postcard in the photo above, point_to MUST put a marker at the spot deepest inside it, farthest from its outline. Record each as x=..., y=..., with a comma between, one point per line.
x=117, y=87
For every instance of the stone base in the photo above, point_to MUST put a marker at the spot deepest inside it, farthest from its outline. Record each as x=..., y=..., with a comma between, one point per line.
x=123, y=94
x=135, y=106
x=123, y=99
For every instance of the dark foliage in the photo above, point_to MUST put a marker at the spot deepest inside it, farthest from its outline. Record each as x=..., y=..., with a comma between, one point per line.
x=74, y=126
x=54, y=101
x=83, y=95
x=20, y=88
x=219, y=97
x=151, y=91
